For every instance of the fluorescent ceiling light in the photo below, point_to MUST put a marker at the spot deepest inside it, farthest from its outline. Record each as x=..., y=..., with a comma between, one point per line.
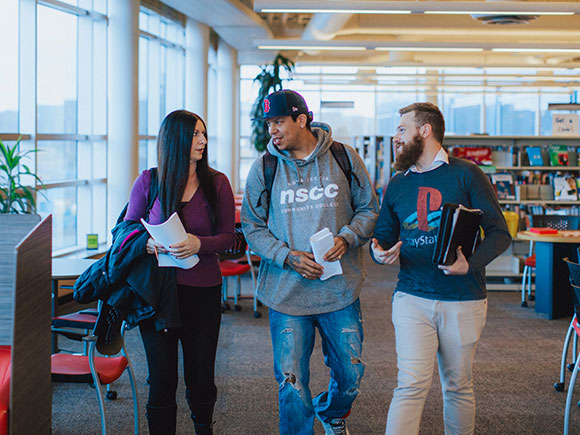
x=507, y=7
x=333, y=11
x=495, y=13
x=428, y=49
x=537, y=50
x=311, y=47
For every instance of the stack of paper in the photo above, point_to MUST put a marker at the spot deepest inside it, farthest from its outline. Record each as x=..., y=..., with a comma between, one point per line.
x=321, y=243
x=167, y=233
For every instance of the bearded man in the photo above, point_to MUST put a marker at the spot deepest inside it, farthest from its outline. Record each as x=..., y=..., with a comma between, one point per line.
x=437, y=311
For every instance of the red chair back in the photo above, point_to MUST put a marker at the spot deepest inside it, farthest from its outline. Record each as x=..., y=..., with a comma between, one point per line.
x=5, y=355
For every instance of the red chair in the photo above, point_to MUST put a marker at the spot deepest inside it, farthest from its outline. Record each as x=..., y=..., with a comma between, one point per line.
x=232, y=268
x=107, y=338
x=5, y=354
x=231, y=264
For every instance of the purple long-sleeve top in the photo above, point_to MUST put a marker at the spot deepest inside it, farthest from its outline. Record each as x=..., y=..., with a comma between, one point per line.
x=196, y=220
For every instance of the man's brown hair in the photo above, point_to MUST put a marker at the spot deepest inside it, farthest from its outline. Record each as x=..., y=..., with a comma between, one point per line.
x=427, y=113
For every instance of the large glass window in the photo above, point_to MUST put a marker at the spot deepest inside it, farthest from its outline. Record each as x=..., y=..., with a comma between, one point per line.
x=212, y=108
x=9, y=70
x=518, y=114
x=473, y=100
x=55, y=63
x=161, y=77
x=57, y=71
x=72, y=142
x=462, y=112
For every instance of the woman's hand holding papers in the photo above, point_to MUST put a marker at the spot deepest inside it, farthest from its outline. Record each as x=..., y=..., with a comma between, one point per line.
x=153, y=246
x=460, y=267
x=388, y=256
x=186, y=248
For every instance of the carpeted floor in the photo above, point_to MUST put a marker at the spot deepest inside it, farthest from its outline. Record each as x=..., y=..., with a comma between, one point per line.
x=517, y=363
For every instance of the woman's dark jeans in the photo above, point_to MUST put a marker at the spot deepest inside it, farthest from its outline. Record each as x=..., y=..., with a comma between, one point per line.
x=200, y=310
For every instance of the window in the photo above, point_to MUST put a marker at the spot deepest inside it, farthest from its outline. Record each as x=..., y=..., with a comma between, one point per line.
x=161, y=77
x=57, y=62
x=9, y=71
x=473, y=100
x=462, y=112
x=59, y=69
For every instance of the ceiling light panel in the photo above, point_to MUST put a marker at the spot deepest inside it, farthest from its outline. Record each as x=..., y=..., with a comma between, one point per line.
x=432, y=7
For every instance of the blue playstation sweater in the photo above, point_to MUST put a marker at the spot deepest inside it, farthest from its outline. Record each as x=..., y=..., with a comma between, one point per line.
x=411, y=211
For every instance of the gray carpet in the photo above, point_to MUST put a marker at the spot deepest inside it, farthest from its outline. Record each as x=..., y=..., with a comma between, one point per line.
x=517, y=363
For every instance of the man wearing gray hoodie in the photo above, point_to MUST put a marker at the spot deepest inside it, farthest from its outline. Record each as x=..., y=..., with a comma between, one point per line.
x=310, y=191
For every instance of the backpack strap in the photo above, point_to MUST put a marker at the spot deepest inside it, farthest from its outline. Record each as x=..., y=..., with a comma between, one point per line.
x=339, y=152
x=269, y=165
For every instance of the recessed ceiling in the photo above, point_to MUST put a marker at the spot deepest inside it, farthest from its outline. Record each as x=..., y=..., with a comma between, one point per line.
x=414, y=32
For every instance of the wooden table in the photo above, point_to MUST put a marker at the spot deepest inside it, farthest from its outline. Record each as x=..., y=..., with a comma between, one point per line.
x=553, y=297
x=63, y=269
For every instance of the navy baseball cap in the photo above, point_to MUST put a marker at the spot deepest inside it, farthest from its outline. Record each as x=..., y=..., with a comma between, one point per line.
x=284, y=103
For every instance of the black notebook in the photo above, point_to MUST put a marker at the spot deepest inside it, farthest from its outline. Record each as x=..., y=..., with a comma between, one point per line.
x=459, y=226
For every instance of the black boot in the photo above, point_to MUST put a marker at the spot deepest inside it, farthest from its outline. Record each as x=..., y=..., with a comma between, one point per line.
x=162, y=419
x=203, y=429
x=202, y=415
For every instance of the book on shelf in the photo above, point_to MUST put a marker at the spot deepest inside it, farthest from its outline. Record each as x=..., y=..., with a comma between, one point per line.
x=504, y=185
x=459, y=226
x=565, y=188
x=478, y=155
x=535, y=156
x=502, y=158
x=558, y=155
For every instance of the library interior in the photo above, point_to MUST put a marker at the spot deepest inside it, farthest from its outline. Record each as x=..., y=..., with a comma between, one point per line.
x=84, y=88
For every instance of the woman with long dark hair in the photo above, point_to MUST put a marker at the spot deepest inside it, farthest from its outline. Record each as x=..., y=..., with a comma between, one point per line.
x=204, y=201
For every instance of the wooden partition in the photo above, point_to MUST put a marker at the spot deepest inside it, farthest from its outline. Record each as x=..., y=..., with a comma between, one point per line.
x=25, y=310
x=13, y=229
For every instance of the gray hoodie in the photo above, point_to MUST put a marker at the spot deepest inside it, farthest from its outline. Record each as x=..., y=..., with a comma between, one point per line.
x=308, y=195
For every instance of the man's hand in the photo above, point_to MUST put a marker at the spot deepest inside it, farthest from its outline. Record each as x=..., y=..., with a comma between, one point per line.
x=303, y=263
x=186, y=248
x=337, y=251
x=386, y=257
x=460, y=267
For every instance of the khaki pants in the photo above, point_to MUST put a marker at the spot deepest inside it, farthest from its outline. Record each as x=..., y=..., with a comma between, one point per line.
x=425, y=328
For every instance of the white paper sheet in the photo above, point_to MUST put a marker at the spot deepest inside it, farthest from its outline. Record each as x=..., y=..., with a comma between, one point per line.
x=321, y=243
x=169, y=232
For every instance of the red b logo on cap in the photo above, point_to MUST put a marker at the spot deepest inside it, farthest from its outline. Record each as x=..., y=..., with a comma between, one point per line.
x=266, y=106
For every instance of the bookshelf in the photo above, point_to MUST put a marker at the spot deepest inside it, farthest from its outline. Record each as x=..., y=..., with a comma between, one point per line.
x=512, y=158
x=376, y=157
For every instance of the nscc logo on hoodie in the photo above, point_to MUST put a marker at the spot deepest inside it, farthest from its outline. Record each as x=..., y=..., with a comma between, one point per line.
x=302, y=195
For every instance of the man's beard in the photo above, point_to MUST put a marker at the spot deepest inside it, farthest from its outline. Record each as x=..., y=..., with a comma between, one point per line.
x=410, y=153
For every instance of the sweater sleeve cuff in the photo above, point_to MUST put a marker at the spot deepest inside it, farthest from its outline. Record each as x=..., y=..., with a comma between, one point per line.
x=281, y=255
x=348, y=238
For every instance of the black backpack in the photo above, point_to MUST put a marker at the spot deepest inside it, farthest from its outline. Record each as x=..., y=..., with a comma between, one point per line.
x=153, y=191
x=270, y=164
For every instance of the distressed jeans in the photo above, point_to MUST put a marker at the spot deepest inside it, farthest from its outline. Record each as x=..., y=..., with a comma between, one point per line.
x=293, y=341
x=425, y=330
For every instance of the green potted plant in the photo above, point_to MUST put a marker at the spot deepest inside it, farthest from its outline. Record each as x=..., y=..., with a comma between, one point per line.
x=15, y=197
x=270, y=81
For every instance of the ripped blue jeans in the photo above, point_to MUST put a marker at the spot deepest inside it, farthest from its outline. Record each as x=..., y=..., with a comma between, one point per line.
x=293, y=341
